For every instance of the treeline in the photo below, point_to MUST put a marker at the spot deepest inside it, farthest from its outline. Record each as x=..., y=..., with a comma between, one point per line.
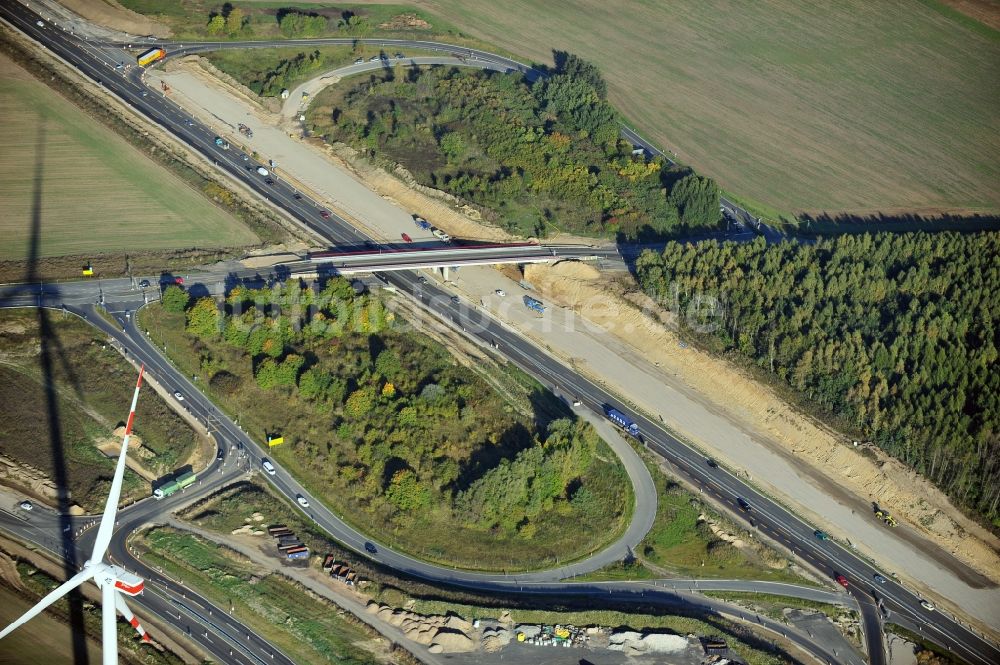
x=386, y=419
x=896, y=333
x=235, y=23
x=538, y=155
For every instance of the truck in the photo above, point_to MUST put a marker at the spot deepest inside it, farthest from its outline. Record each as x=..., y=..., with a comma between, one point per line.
x=536, y=305
x=261, y=170
x=222, y=143
x=298, y=553
x=149, y=57
x=186, y=479
x=623, y=421
x=175, y=485
x=440, y=235
x=422, y=223
x=165, y=490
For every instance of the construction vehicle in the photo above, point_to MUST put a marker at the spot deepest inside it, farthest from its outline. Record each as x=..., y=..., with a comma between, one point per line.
x=536, y=305
x=883, y=515
x=150, y=56
x=245, y=131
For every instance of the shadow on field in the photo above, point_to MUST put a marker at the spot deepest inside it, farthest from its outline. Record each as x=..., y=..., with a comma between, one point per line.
x=50, y=349
x=829, y=224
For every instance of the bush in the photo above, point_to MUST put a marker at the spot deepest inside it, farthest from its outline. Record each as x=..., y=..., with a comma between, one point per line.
x=175, y=299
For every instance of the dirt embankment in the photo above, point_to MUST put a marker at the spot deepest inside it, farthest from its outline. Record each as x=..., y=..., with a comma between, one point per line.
x=112, y=15
x=882, y=479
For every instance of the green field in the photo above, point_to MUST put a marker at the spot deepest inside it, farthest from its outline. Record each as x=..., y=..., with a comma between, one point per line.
x=96, y=192
x=846, y=106
x=93, y=386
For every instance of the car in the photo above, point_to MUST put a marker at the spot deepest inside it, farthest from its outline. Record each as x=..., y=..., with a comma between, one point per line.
x=120, y=65
x=145, y=93
x=269, y=181
x=359, y=61
x=268, y=467
x=577, y=402
x=39, y=24
x=500, y=292
x=324, y=214
x=822, y=535
x=400, y=56
x=178, y=280
x=406, y=237
x=177, y=394
x=744, y=504
x=370, y=548
x=144, y=284
x=25, y=505
x=219, y=455
x=454, y=299
x=712, y=463
x=302, y=501
x=374, y=58
x=298, y=197
x=422, y=279
x=878, y=578
x=842, y=581
x=926, y=605
x=246, y=158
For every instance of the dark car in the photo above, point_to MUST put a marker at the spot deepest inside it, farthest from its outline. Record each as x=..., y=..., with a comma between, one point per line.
x=219, y=455
x=324, y=214
x=144, y=283
x=269, y=181
x=371, y=549
x=822, y=535
x=744, y=504
x=712, y=463
x=879, y=579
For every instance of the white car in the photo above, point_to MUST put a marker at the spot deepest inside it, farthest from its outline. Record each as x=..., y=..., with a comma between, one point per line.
x=25, y=505
x=500, y=292
x=302, y=501
x=177, y=394
x=926, y=605
x=268, y=467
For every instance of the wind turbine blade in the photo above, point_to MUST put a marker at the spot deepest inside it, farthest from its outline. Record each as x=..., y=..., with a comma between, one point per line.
x=52, y=597
x=111, y=507
x=109, y=625
x=127, y=613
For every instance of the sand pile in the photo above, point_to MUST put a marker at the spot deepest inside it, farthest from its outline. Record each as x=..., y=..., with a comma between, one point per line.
x=442, y=634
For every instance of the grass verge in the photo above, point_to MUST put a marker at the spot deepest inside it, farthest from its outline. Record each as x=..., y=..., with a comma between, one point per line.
x=302, y=625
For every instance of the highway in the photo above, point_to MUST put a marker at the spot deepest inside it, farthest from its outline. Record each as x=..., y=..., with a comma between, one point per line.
x=772, y=519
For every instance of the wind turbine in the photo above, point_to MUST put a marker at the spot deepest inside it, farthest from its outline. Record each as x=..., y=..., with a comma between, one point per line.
x=112, y=580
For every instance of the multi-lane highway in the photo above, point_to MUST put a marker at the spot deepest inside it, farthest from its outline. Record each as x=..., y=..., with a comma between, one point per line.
x=98, y=61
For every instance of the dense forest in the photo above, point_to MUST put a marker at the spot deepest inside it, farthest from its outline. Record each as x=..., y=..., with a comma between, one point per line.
x=894, y=333
x=535, y=157
x=384, y=423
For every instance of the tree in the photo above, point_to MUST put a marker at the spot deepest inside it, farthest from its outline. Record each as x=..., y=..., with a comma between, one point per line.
x=359, y=26
x=360, y=402
x=406, y=491
x=175, y=299
x=234, y=21
x=267, y=374
x=216, y=25
x=203, y=318
x=697, y=201
x=576, y=67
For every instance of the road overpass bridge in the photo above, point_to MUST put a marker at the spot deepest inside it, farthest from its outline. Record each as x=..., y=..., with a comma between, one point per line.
x=443, y=257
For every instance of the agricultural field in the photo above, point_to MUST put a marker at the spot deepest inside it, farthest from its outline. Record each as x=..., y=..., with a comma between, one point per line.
x=94, y=192
x=847, y=107
x=93, y=385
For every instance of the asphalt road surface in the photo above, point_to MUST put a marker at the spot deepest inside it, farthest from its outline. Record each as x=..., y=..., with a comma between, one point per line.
x=98, y=61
